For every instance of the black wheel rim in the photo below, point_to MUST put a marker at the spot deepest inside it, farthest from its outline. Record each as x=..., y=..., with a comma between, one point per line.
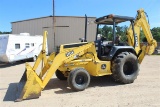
x=128, y=68
x=80, y=79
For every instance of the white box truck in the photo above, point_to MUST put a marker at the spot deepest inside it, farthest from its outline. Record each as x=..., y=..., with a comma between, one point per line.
x=16, y=47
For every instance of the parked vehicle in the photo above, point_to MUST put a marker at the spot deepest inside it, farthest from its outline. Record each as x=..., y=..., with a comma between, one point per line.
x=16, y=47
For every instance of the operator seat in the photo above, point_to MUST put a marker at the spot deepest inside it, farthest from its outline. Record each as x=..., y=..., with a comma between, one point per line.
x=102, y=51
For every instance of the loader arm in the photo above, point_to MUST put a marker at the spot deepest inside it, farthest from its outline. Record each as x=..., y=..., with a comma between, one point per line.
x=32, y=83
x=141, y=49
x=63, y=58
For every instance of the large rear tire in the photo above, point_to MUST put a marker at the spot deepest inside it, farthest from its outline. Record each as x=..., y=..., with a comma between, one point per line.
x=78, y=79
x=125, y=68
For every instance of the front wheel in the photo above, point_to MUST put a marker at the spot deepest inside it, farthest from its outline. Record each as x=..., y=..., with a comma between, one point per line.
x=125, y=68
x=78, y=79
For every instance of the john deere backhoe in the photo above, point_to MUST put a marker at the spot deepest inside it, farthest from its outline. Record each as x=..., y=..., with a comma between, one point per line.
x=78, y=61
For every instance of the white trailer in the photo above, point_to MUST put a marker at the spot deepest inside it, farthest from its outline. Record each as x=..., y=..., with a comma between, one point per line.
x=15, y=47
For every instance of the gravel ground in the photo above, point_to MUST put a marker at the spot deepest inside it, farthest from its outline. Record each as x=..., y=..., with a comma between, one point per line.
x=102, y=91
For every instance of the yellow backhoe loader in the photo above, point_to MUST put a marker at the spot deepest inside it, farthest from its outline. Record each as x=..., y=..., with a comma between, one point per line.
x=76, y=62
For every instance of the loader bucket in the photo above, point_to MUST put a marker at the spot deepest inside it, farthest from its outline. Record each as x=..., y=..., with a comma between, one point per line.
x=29, y=86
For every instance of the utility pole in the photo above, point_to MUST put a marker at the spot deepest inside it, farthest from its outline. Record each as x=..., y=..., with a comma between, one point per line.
x=54, y=21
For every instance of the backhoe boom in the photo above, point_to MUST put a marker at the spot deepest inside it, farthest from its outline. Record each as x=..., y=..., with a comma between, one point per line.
x=141, y=49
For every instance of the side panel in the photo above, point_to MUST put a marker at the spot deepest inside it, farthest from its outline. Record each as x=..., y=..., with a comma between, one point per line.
x=23, y=47
x=99, y=68
x=16, y=47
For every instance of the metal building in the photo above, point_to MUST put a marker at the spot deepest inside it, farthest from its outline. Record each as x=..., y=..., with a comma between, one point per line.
x=68, y=29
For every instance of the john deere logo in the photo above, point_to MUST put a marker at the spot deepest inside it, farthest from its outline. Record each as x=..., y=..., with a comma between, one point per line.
x=103, y=66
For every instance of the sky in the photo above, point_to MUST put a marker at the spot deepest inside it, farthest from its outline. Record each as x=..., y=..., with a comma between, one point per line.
x=16, y=10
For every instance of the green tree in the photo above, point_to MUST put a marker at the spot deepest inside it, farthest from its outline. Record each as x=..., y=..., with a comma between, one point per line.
x=121, y=31
x=107, y=32
x=5, y=32
x=142, y=36
x=156, y=33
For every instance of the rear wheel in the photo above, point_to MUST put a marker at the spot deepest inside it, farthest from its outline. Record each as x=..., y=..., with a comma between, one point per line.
x=125, y=68
x=60, y=75
x=78, y=79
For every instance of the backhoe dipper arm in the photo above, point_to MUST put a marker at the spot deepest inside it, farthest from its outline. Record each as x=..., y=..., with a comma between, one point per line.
x=141, y=22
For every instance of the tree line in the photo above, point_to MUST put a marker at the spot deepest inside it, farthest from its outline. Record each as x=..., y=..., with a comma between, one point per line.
x=106, y=31
x=5, y=32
